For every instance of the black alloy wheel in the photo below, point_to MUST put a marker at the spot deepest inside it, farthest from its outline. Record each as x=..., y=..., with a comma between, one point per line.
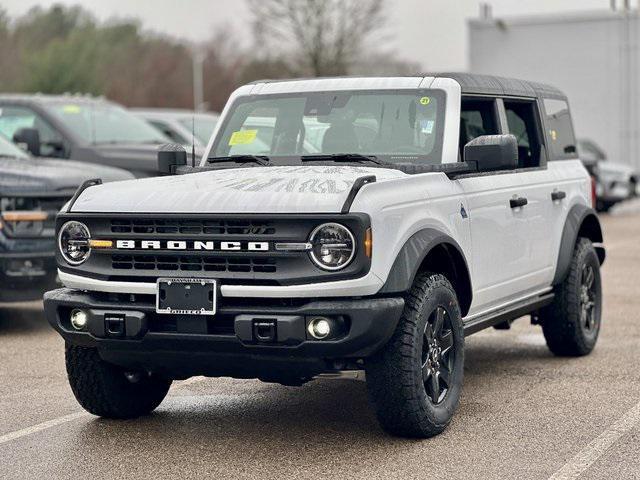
x=438, y=355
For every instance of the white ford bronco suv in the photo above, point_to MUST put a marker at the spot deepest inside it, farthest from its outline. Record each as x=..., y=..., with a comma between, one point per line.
x=335, y=225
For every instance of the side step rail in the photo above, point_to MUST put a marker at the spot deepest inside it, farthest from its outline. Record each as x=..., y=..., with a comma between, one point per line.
x=507, y=314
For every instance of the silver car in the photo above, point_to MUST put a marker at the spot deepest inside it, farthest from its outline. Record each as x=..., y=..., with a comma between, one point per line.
x=615, y=182
x=177, y=124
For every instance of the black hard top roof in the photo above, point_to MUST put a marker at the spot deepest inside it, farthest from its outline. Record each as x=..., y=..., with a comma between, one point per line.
x=476, y=84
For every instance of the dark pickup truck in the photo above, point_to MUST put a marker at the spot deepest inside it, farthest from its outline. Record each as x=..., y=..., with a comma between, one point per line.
x=32, y=191
x=83, y=128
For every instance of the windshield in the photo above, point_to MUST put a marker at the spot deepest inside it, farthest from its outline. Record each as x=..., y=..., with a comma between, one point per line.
x=203, y=127
x=103, y=123
x=403, y=126
x=8, y=149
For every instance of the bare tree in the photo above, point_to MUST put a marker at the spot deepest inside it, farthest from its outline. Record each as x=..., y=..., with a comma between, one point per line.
x=223, y=67
x=319, y=37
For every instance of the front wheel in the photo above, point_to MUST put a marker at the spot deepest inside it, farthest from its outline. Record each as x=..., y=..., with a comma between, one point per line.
x=110, y=391
x=416, y=380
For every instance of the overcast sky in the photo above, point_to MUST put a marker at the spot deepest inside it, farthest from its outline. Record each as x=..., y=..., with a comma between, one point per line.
x=429, y=32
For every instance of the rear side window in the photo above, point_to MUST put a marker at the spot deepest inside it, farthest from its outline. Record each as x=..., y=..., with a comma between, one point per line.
x=169, y=132
x=562, y=141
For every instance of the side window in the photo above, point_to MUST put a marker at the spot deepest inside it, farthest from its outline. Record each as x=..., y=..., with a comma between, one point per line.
x=477, y=117
x=13, y=118
x=169, y=132
x=522, y=122
x=562, y=140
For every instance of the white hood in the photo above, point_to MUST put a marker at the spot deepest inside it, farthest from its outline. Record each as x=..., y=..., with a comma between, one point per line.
x=292, y=189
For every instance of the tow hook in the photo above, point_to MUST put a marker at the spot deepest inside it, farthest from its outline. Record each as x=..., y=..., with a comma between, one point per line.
x=264, y=331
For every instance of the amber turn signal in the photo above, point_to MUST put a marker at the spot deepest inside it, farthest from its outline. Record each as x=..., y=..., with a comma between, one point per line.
x=368, y=243
x=100, y=243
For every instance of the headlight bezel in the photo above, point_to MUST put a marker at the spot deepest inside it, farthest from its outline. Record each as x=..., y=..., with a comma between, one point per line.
x=324, y=266
x=63, y=252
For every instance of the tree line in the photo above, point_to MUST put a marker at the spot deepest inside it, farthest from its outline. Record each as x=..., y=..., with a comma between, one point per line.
x=65, y=49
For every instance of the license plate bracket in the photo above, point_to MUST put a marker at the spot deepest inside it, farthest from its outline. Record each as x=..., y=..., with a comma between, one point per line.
x=186, y=296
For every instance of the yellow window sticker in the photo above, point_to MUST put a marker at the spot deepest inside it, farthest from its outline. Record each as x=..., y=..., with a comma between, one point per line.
x=71, y=109
x=425, y=101
x=243, y=137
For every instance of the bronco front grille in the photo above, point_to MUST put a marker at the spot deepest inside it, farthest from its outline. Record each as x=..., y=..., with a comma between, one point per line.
x=138, y=261
x=192, y=227
x=194, y=263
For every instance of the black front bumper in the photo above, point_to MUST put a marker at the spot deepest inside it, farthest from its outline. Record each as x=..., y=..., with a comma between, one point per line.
x=127, y=331
x=26, y=276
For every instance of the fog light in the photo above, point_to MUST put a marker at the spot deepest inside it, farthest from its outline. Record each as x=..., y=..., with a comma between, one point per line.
x=319, y=328
x=79, y=319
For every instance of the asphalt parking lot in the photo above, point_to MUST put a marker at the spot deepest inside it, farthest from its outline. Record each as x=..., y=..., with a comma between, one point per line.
x=523, y=414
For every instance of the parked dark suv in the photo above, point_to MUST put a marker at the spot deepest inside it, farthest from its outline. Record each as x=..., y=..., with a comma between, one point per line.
x=32, y=191
x=81, y=128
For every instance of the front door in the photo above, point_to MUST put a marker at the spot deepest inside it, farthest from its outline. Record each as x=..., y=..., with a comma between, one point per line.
x=506, y=215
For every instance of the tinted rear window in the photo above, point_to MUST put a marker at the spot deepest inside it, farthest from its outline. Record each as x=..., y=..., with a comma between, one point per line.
x=560, y=135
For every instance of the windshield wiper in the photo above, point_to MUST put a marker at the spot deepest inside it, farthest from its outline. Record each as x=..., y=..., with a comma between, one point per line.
x=342, y=157
x=259, y=159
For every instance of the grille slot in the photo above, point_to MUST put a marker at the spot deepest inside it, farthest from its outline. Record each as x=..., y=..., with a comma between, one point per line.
x=194, y=263
x=192, y=227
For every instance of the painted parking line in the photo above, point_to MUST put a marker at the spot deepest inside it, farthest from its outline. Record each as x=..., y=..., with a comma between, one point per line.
x=598, y=447
x=41, y=426
x=8, y=437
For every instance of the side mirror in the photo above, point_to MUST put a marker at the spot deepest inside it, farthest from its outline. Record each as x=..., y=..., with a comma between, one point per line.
x=170, y=157
x=29, y=139
x=492, y=152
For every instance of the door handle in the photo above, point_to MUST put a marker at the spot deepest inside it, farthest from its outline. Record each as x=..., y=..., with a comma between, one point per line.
x=518, y=202
x=558, y=195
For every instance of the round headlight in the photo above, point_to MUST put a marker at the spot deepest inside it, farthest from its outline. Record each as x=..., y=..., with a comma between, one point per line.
x=333, y=246
x=73, y=242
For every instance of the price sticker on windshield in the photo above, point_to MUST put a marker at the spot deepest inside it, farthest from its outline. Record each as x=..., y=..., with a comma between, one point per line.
x=425, y=101
x=243, y=137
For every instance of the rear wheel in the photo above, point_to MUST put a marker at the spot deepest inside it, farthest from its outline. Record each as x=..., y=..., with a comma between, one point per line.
x=571, y=324
x=416, y=380
x=110, y=391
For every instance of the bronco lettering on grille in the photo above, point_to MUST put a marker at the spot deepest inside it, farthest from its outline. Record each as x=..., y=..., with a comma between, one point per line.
x=210, y=245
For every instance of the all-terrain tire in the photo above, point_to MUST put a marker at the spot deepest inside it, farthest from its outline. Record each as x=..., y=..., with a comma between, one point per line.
x=110, y=391
x=398, y=386
x=568, y=328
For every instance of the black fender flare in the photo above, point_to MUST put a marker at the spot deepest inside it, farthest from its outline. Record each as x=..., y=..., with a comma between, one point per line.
x=412, y=255
x=581, y=221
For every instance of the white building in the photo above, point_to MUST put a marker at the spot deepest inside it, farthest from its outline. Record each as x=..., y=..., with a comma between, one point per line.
x=593, y=57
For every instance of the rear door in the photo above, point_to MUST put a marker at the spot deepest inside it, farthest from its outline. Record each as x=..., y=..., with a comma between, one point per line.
x=569, y=177
x=524, y=122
